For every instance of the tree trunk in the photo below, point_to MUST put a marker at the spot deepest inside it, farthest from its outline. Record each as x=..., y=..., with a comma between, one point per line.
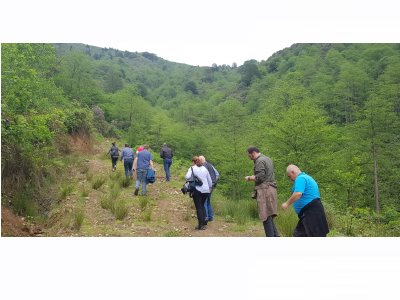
x=376, y=186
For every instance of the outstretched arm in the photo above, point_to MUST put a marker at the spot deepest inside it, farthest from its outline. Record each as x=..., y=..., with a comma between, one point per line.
x=293, y=198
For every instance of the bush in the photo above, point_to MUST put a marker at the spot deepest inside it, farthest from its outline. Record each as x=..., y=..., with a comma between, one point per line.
x=66, y=191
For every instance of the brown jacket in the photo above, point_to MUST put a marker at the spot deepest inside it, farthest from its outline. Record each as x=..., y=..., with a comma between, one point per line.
x=267, y=200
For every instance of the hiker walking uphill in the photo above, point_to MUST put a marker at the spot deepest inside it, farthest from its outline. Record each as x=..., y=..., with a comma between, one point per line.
x=114, y=152
x=142, y=163
x=307, y=204
x=128, y=156
x=166, y=154
x=214, y=179
x=201, y=192
x=264, y=190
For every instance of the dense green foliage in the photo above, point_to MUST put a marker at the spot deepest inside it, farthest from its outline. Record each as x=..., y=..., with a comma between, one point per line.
x=333, y=109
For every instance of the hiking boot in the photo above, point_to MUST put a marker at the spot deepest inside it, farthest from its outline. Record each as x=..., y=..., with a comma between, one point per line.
x=202, y=227
x=136, y=192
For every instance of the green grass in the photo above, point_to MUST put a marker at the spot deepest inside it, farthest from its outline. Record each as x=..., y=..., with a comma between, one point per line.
x=98, y=182
x=66, y=190
x=120, y=209
x=106, y=202
x=171, y=234
x=23, y=205
x=240, y=212
x=125, y=182
x=78, y=217
x=85, y=192
x=143, y=202
x=286, y=222
x=146, y=215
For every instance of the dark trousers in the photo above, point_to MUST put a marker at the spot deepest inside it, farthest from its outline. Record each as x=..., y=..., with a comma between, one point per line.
x=269, y=227
x=312, y=221
x=167, y=166
x=199, y=200
x=114, y=161
x=128, y=165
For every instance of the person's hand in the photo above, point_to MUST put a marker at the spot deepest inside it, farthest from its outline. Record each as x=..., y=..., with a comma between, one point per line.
x=285, y=205
x=247, y=178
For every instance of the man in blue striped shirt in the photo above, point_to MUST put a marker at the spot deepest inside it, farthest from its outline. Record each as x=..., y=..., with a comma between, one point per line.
x=128, y=156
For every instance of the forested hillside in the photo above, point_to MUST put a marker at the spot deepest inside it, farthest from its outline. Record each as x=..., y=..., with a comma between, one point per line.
x=332, y=109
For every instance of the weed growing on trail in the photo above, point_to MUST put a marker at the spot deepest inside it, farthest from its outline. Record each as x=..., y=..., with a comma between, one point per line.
x=146, y=216
x=98, y=182
x=125, y=182
x=120, y=209
x=85, y=192
x=171, y=234
x=106, y=202
x=66, y=191
x=143, y=202
x=78, y=217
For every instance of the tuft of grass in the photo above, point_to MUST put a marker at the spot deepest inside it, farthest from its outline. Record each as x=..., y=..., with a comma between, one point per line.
x=66, y=190
x=146, y=216
x=84, y=168
x=171, y=234
x=120, y=209
x=98, y=182
x=240, y=211
x=106, y=202
x=286, y=222
x=143, y=203
x=85, y=192
x=23, y=205
x=78, y=217
x=115, y=191
x=125, y=182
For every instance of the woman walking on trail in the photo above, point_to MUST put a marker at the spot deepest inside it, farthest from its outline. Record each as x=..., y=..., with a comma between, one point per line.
x=114, y=152
x=202, y=192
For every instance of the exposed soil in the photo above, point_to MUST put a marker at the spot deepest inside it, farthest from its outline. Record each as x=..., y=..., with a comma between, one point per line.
x=168, y=212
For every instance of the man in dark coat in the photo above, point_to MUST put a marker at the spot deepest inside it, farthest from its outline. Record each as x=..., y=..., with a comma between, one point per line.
x=166, y=154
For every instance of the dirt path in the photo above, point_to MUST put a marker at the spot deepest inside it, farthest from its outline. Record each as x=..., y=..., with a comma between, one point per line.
x=168, y=212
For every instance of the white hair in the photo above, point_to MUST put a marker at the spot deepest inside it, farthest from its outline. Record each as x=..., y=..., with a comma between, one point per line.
x=292, y=168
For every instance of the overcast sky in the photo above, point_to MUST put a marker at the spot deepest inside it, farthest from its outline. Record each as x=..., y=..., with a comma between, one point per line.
x=200, y=32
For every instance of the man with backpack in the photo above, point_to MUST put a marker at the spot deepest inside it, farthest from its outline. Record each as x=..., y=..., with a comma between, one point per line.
x=128, y=155
x=214, y=179
x=166, y=154
x=142, y=163
x=114, y=152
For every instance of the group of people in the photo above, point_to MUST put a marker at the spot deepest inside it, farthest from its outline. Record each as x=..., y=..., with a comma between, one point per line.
x=139, y=163
x=305, y=196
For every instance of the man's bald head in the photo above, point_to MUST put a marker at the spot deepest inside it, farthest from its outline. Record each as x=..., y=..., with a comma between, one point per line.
x=292, y=171
x=202, y=159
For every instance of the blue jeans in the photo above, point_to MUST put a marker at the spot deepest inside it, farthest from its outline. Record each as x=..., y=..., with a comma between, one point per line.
x=141, y=178
x=128, y=165
x=208, y=208
x=167, y=165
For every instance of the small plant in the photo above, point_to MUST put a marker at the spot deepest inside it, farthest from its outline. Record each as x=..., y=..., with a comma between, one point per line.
x=115, y=192
x=143, y=203
x=125, y=182
x=147, y=215
x=23, y=205
x=286, y=222
x=66, y=191
x=120, y=209
x=78, y=217
x=85, y=192
x=106, y=202
x=98, y=182
x=171, y=234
